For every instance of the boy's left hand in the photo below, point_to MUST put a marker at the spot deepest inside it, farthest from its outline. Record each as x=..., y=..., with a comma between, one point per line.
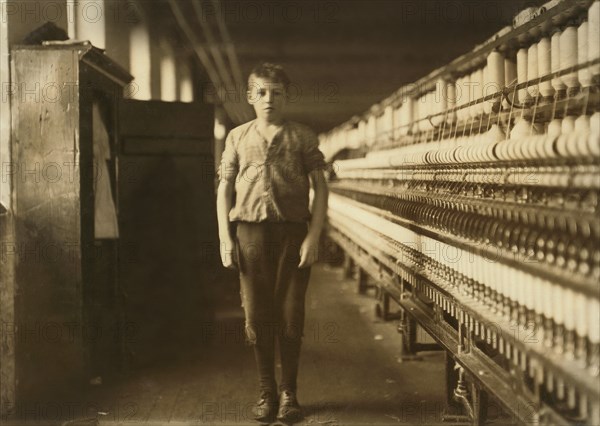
x=309, y=251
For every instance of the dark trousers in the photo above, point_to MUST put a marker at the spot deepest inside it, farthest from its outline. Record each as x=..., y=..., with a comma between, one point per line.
x=273, y=290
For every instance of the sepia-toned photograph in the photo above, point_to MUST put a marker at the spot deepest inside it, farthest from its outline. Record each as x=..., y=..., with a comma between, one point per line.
x=299, y=212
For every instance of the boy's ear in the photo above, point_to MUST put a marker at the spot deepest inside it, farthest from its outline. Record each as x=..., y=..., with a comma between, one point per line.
x=250, y=98
x=252, y=93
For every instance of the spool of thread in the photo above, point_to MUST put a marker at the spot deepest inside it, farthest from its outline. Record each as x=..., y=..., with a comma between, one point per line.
x=529, y=147
x=430, y=109
x=495, y=77
x=594, y=320
x=581, y=315
x=549, y=300
x=540, y=288
x=417, y=111
x=388, y=122
x=549, y=147
x=458, y=91
x=549, y=144
x=420, y=106
x=489, y=152
x=554, y=127
x=522, y=147
x=556, y=82
x=567, y=125
x=451, y=101
x=595, y=123
x=564, y=140
x=371, y=130
x=510, y=78
x=461, y=97
x=470, y=83
x=584, y=76
x=398, y=130
x=523, y=94
x=545, y=67
x=502, y=149
x=532, y=69
x=408, y=115
x=594, y=136
x=530, y=299
x=513, y=288
x=353, y=142
x=559, y=308
x=594, y=37
x=522, y=129
x=568, y=58
x=545, y=147
x=487, y=106
x=440, y=100
x=510, y=71
x=493, y=138
x=362, y=132
x=536, y=146
x=571, y=145
x=435, y=104
x=582, y=131
x=519, y=277
x=582, y=124
x=495, y=134
x=478, y=91
x=425, y=110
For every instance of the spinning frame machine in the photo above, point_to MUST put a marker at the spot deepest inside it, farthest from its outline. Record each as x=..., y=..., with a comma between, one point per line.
x=471, y=199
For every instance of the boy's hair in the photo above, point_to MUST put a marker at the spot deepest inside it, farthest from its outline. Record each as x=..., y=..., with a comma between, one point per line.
x=270, y=71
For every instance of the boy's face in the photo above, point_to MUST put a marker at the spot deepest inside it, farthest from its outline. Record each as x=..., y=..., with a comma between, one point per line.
x=268, y=98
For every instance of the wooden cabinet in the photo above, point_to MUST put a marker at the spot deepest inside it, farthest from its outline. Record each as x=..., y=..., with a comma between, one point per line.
x=64, y=156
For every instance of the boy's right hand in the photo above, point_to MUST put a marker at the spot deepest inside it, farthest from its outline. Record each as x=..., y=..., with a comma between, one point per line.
x=228, y=254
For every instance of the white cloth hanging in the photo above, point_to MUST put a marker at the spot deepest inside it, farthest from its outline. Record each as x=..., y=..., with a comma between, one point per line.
x=105, y=214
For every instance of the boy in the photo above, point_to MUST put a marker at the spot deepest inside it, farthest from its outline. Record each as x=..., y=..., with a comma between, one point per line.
x=269, y=163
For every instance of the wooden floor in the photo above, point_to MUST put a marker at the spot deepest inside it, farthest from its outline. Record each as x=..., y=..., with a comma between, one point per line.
x=349, y=373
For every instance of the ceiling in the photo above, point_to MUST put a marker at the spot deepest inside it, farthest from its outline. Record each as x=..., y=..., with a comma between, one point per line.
x=343, y=56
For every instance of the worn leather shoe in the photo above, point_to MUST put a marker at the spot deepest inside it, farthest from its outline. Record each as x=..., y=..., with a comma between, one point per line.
x=265, y=408
x=289, y=409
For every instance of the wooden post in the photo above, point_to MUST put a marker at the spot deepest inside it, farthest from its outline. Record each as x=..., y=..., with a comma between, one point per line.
x=7, y=317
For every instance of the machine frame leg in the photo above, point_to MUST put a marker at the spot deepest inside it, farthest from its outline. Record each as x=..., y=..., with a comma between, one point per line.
x=348, y=266
x=382, y=307
x=361, y=281
x=408, y=329
x=469, y=401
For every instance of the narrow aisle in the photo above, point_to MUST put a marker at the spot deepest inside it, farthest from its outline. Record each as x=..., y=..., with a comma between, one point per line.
x=349, y=371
